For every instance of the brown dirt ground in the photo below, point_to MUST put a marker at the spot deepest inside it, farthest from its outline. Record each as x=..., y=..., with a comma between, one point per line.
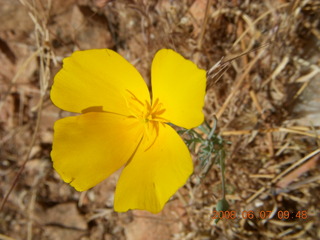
x=266, y=101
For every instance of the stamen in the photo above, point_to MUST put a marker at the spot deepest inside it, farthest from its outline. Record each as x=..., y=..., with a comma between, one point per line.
x=129, y=107
x=160, y=111
x=155, y=104
x=134, y=97
x=148, y=108
x=160, y=119
x=156, y=127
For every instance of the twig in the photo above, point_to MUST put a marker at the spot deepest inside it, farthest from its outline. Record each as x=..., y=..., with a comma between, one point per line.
x=301, y=161
x=238, y=84
x=15, y=181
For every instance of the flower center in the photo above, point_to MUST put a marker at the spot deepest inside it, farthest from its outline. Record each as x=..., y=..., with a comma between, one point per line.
x=149, y=116
x=154, y=112
x=146, y=112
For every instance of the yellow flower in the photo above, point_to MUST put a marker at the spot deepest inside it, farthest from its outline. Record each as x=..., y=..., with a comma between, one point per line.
x=120, y=125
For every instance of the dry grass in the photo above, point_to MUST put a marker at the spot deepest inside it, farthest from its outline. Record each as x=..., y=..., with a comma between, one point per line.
x=263, y=85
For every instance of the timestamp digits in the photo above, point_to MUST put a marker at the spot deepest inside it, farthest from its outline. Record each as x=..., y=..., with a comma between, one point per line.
x=281, y=215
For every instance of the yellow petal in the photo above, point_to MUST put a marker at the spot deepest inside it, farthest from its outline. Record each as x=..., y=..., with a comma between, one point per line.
x=180, y=86
x=98, y=79
x=155, y=174
x=90, y=147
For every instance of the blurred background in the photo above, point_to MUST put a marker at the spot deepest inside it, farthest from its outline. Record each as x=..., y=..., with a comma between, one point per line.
x=263, y=87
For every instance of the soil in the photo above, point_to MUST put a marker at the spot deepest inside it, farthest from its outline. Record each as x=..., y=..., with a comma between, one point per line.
x=263, y=88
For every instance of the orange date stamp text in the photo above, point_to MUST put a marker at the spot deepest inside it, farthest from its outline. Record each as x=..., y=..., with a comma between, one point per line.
x=281, y=215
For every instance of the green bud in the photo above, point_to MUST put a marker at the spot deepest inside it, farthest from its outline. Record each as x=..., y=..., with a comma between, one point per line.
x=222, y=205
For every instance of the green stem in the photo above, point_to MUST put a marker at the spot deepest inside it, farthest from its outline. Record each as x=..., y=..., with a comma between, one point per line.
x=222, y=177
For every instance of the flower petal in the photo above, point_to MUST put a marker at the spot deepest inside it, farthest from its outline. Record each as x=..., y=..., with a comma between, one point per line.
x=89, y=147
x=155, y=173
x=99, y=79
x=180, y=86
